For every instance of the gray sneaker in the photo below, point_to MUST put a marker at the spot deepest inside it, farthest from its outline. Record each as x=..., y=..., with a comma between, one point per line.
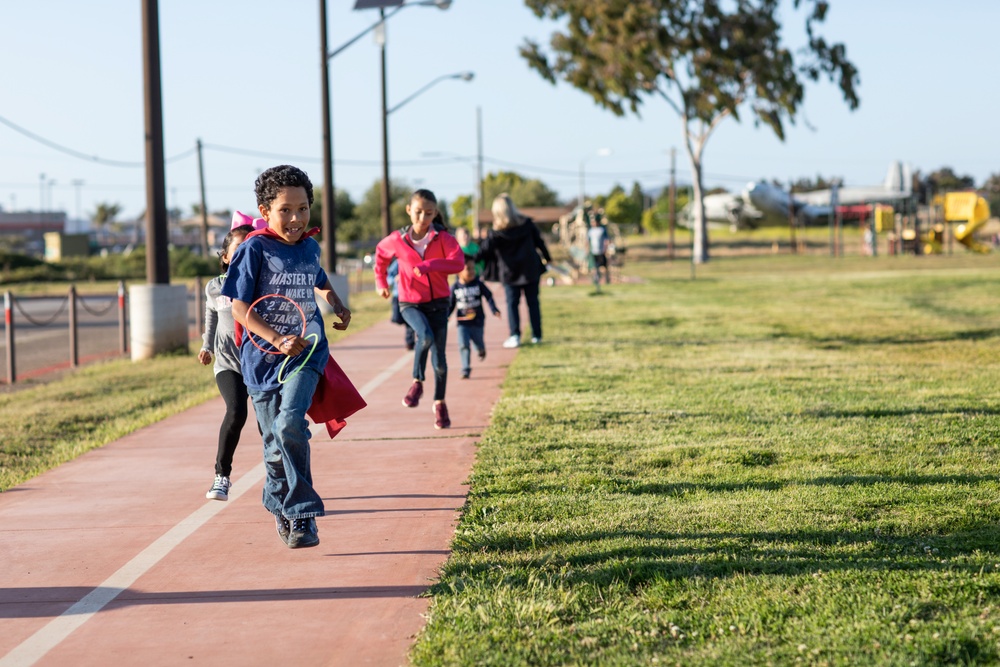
x=220, y=488
x=303, y=534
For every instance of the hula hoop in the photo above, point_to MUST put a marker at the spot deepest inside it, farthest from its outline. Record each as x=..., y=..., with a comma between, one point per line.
x=302, y=315
x=281, y=369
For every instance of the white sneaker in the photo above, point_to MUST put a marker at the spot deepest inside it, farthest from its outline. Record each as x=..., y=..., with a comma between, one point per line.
x=535, y=340
x=220, y=489
x=512, y=342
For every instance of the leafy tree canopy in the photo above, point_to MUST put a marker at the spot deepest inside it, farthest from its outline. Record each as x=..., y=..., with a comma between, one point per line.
x=524, y=192
x=946, y=180
x=706, y=59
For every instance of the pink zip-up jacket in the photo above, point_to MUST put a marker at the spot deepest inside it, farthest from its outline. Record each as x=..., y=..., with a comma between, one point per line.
x=442, y=258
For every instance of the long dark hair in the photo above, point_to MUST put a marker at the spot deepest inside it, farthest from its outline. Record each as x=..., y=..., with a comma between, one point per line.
x=242, y=230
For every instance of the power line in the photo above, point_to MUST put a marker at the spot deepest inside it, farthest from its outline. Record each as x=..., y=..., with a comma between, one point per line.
x=83, y=156
x=356, y=163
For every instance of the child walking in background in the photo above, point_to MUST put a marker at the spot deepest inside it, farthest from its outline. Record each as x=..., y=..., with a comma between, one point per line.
x=467, y=296
x=282, y=261
x=427, y=255
x=409, y=338
x=219, y=340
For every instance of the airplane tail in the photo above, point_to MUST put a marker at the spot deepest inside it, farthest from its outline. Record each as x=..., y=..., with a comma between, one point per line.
x=899, y=178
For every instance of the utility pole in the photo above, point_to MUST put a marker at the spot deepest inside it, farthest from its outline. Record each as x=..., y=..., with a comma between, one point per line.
x=673, y=201
x=157, y=260
x=204, y=204
x=791, y=216
x=328, y=224
x=479, y=171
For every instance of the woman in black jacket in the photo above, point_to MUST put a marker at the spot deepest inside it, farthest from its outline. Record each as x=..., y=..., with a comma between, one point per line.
x=515, y=255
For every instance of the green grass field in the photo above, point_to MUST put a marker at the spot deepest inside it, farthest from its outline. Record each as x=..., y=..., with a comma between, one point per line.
x=786, y=460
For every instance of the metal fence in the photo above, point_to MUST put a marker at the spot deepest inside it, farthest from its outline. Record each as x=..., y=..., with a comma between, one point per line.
x=43, y=334
x=46, y=333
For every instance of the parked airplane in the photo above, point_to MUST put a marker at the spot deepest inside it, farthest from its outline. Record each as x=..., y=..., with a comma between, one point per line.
x=819, y=204
x=725, y=210
x=762, y=204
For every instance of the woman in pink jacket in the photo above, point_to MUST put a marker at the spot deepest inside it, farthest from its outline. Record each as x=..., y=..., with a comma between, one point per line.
x=426, y=254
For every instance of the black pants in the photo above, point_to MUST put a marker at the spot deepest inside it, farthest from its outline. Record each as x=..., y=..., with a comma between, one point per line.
x=234, y=393
x=430, y=322
x=513, y=293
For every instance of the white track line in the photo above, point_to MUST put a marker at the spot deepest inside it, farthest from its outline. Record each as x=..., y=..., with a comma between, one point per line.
x=32, y=649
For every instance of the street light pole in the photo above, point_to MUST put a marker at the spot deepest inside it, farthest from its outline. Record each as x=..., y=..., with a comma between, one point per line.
x=386, y=222
x=601, y=152
x=328, y=196
x=465, y=76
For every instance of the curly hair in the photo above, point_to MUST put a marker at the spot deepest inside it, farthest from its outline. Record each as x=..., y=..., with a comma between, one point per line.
x=272, y=180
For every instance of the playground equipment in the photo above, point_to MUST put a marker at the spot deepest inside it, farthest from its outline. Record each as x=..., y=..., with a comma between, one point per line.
x=972, y=211
x=572, y=232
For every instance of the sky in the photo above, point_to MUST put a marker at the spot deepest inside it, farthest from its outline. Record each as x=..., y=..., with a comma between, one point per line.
x=243, y=76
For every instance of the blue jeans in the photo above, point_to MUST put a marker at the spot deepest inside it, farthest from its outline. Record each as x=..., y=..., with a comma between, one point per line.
x=281, y=415
x=430, y=323
x=466, y=334
x=513, y=293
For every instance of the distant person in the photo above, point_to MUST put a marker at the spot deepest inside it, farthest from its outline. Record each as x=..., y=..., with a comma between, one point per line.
x=219, y=340
x=469, y=247
x=467, y=295
x=282, y=263
x=597, y=238
x=515, y=255
x=392, y=275
x=426, y=254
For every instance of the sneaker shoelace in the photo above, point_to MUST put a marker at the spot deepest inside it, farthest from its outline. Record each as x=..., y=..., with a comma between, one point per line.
x=300, y=525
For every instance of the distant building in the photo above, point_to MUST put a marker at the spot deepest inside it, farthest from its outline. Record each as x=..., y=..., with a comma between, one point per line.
x=31, y=226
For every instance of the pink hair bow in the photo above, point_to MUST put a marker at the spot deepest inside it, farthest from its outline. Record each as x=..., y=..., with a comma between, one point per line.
x=240, y=219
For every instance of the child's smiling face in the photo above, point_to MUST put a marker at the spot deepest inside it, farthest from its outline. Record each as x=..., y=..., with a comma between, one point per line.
x=288, y=214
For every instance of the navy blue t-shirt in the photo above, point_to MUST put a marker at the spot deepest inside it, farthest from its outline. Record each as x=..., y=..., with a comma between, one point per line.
x=263, y=265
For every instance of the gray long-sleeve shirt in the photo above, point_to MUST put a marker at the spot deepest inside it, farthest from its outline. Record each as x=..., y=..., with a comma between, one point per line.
x=220, y=329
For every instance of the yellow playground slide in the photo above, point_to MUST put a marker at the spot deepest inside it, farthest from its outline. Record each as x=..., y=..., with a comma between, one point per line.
x=972, y=211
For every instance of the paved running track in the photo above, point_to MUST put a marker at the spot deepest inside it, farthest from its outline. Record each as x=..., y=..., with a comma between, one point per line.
x=118, y=558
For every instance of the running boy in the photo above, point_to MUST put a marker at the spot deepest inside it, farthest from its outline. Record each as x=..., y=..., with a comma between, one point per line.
x=219, y=339
x=427, y=255
x=282, y=264
x=467, y=296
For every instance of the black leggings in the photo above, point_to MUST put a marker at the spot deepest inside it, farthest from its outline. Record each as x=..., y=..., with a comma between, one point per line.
x=234, y=392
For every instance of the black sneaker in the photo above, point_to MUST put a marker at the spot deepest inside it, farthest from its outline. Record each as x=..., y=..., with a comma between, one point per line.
x=303, y=534
x=283, y=526
x=482, y=354
x=466, y=373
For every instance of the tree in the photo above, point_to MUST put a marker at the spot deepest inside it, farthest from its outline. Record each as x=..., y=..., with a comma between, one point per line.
x=366, y=224
x=622, y=208
x=657, y=219
x=461, y=211
x=991, y=188
x=524, y=192
x=946, y=180
x=104, y=215
x=343, y=204
x=705, y=58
